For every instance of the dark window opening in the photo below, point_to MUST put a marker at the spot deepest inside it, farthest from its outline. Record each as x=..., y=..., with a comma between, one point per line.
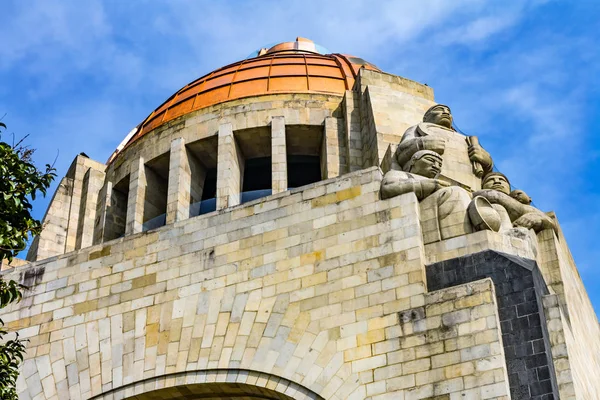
x=208, y=202
x=155, y=197
x=305, y=154
x=257, y=179
x=210, y=184
x=202, y=159
x=303, y=170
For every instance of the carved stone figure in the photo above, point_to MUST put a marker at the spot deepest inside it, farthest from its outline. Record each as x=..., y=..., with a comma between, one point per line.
x=496, y=189
x=429, y=135
x=520, y=196
x=443, y=206
x=421, y=169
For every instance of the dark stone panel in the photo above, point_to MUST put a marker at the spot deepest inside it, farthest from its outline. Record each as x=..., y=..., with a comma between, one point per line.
x=519, y=288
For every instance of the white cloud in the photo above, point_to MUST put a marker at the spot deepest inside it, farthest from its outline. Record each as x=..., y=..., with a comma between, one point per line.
x=479, y=30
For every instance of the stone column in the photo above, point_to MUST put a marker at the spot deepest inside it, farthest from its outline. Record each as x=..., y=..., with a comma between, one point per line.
x=76, y=172
x=230, y=168
x=354, y=144
x=92, y=184
x=51, y=241
x=101, y=212
x=331, y=157
x=135, y=202
x=179, y=184
x=278, y=156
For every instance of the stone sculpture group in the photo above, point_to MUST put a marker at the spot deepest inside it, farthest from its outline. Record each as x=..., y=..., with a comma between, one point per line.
x=454, y=209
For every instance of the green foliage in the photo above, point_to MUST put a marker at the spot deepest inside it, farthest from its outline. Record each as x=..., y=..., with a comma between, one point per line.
x=11, y=351
x=20, y=180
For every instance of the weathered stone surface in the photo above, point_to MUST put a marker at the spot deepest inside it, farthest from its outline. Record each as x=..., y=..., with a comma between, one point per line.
x=519, y=291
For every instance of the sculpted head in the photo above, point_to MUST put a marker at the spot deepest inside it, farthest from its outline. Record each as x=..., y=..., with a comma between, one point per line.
x=440, y=115
x=496, y=181
x=520, y=196
x=426, y=163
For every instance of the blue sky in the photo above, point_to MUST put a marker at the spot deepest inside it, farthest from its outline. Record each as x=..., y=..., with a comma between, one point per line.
x=522, y=75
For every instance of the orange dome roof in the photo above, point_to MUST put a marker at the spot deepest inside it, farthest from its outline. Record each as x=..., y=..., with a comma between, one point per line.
x=289, y=67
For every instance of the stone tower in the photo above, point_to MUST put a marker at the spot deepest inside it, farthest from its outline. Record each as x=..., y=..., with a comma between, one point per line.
x=301, y=225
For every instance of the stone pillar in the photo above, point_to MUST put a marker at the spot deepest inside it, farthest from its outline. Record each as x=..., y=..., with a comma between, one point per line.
x=278, y=156
x=135, y=202
x=332, y=164
x=101, y=212
x=354, y=144
x=179, y=184
x=230, y=168
x=51, y=241
x=92, y=184
x=76, y=173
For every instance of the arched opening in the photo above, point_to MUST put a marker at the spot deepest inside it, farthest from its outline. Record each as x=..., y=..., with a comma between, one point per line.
x=213, y=391
x=212, y=384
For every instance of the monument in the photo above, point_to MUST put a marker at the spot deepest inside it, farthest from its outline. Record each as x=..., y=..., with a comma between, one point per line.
x=301, y=225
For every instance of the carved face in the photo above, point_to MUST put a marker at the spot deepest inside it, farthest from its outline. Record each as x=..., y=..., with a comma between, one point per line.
x=428, y=166
x=496, y=182
x=439, y=115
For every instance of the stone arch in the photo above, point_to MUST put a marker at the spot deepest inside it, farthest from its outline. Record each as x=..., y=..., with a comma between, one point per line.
x=212, y=384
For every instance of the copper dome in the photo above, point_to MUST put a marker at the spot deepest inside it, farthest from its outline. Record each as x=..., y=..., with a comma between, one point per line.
x=289, y=67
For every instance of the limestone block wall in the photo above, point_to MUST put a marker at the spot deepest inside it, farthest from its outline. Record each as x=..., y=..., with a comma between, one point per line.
x=519, y=290
x=111, y=212
x=80, y=166
x=53, y=238
x=323, y=286
x=230, y=171
x=388, y=106
x=333, y=149
x=63, y=230
x=16, y=262
x=352, y=120
x=185, y=181
x=555, y=320
x=134, y=218
x=92, y=185
x=279, y=172
x=368, y=127
x=580, y=330
x=394, y=82
x=462, y=329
